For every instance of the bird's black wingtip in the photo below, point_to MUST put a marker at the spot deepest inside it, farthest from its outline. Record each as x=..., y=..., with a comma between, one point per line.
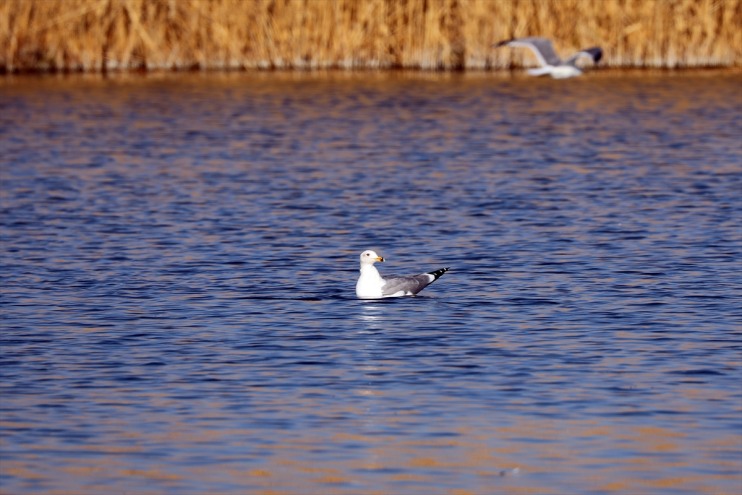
x=437, y=273
x=596, y=53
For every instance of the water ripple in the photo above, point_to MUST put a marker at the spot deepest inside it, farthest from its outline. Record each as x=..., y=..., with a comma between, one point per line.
x=180, y=258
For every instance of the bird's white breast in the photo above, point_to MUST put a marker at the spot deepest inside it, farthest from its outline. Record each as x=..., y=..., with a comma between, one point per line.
x=369, y=283
x=564, y=71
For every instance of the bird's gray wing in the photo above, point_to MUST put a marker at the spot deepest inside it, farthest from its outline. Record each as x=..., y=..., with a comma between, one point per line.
x=407, y=285
x=595, y=53
x=413, y=284
x=540, y=46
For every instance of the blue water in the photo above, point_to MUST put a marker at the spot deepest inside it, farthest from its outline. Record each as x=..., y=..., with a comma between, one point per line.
x=180, y=254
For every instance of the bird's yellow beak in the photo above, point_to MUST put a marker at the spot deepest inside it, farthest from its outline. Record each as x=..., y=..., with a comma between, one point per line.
x=379, y=258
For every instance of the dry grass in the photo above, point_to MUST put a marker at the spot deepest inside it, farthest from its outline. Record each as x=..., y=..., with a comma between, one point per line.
x=95, y=35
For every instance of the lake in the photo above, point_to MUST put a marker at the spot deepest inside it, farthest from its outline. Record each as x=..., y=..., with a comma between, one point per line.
x=180, y=254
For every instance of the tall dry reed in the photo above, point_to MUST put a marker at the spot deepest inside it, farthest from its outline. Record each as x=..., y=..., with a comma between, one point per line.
x=92, y=35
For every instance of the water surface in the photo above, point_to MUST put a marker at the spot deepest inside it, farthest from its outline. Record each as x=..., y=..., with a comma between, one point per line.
x=180, y=254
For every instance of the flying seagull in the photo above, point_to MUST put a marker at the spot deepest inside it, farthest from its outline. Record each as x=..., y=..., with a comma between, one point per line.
x=371, y=285
x=550, y=63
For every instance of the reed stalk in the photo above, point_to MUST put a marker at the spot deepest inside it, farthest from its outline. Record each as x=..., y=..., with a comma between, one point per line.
x=103, y=35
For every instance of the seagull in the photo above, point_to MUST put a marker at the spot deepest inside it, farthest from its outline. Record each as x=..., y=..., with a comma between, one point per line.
x=550, y=63
x=372, y=286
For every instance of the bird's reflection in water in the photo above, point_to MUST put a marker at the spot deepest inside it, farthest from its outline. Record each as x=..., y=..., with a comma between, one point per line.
x=374, y=412
x=371, y=317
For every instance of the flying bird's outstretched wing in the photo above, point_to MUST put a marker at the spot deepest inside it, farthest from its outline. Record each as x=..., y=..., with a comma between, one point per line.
x=595, y=53
x=541, y=47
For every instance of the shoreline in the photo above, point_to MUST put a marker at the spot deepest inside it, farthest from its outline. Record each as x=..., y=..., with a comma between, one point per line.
x=286, y=74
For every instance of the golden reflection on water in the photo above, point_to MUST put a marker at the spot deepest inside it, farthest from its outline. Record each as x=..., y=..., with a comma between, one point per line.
x=291, y=471
x=493, y=456
x=470, y=452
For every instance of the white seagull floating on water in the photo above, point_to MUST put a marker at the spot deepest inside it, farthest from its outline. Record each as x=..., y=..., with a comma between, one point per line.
x=371, y=285
x=550, y=63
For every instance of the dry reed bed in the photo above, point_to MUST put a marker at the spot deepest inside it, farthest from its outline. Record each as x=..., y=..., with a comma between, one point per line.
x=94, y=35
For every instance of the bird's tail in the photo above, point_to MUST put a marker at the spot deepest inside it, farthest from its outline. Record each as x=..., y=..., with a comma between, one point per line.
x=437, y=274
